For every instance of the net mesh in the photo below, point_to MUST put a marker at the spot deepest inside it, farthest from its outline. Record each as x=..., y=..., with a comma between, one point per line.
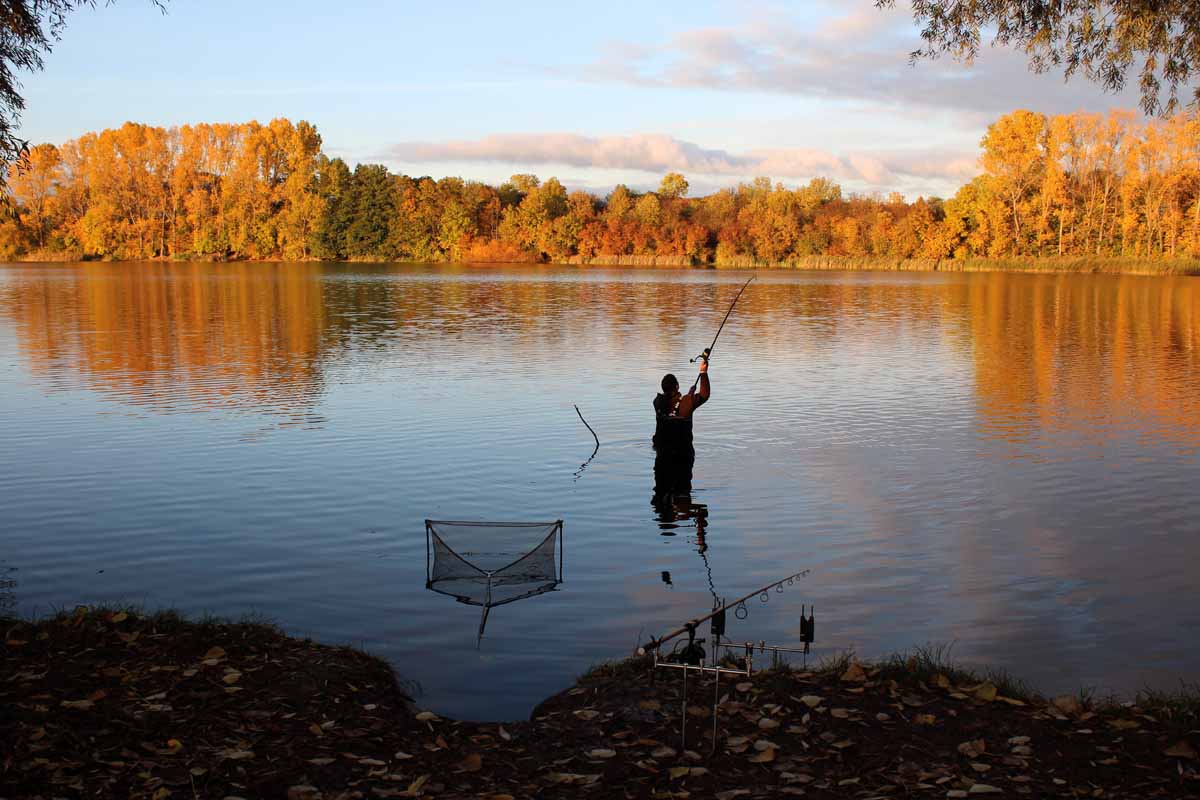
x=489, y=563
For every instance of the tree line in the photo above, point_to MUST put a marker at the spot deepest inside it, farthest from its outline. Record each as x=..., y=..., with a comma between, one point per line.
x=1069, y=185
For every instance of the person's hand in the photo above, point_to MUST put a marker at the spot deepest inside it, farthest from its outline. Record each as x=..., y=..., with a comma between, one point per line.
x=703, y=366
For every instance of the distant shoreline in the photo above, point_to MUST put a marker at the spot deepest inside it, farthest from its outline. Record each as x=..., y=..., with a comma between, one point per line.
x=1078, y=265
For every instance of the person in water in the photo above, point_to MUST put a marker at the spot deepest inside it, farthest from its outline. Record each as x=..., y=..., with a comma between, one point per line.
x=674, y=452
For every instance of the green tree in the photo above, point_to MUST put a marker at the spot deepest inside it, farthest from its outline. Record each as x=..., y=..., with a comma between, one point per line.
x=374, y=207
x=334, y=184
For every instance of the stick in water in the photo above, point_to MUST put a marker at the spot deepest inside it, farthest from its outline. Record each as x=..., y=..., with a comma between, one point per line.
x=583, y=466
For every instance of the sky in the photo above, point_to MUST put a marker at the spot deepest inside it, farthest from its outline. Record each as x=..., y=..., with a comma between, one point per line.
x=595, y=94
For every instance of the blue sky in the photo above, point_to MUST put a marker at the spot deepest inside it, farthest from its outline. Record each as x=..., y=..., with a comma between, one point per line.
x=595, y=94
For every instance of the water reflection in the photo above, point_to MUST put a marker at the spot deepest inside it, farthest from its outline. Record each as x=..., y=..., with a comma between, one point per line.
x=1049, y=354
x=1005, y=461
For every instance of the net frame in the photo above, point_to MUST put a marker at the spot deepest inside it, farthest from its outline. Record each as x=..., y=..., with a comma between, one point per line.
x=543, y=583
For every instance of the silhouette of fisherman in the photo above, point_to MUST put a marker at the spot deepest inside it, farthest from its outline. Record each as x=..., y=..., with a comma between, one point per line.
x=674, y=453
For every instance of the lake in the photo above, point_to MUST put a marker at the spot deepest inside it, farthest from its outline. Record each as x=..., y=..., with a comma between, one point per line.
x=1005, y=463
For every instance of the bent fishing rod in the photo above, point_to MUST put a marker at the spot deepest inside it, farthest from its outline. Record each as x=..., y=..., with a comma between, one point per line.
x=708, y=350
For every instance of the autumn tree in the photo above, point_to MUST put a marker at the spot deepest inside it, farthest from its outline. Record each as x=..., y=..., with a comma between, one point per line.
x=34, y=181
x=673, y=186
x=1013, y=158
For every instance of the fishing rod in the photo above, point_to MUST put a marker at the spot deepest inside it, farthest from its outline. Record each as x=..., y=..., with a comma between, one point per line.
x=655, y=644
x=708, y=350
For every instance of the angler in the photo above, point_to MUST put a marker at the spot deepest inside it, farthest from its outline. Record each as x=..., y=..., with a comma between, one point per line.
x=675, y=454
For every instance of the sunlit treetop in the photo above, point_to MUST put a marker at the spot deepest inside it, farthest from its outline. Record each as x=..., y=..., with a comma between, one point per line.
x=1105, y=39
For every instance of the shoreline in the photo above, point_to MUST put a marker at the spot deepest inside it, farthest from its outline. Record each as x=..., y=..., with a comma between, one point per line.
x=1070, y=265
x=112, y=702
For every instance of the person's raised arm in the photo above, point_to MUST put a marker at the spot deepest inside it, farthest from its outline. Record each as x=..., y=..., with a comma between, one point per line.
x=705, y=386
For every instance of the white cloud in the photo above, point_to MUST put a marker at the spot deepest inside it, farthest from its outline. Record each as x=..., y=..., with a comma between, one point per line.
x=859, y=56
x=659, y=153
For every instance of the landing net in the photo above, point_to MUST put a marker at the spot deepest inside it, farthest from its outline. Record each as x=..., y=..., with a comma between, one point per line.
x=489, y=564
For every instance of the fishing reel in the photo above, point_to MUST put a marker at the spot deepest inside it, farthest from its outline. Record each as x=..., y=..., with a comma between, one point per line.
x=692, y=653
x=702, y=357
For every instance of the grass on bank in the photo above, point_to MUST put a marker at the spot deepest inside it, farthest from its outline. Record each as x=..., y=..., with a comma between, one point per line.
x=931, y=664
x=926, y=664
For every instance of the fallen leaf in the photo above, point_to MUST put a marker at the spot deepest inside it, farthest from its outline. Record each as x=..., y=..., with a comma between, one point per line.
x=472, y=763
x=985, y=692
x=941, y=681
x=232, y=677
x=587, y=714
x=973, y=749
x=925, y=719
x=763, y=757
x=843, y=744
x=79, y=705
x=678, y=772
x=215, y=652
x=854, y=673
x=400, y=755
x=321, y=762
x=767, y=724
x=416, y=785
x=839, y=713
x=425, y=716
x=1181, y=749
x=663, y=752
x=505, y=735
x=601, y=753
x=811, y=700
x=649, y=705
x=316, y=730
x=983, y=788
x=303, y=793
x=237, y=755
x=744, y=686
x=120, y=616
x=732, y=793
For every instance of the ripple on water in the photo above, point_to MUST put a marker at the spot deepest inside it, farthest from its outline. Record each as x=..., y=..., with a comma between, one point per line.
x=954, y=463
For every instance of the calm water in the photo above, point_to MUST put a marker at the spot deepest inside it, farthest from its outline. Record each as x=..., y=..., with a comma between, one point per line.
x=1005, y=462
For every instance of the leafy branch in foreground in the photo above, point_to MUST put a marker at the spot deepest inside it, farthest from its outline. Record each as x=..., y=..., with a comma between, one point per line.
x=1106, y=39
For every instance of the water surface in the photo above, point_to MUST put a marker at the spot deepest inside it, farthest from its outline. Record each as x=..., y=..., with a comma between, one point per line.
x=1005, y=462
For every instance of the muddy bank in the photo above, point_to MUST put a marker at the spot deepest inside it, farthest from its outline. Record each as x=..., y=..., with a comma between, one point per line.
x=110, y=703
